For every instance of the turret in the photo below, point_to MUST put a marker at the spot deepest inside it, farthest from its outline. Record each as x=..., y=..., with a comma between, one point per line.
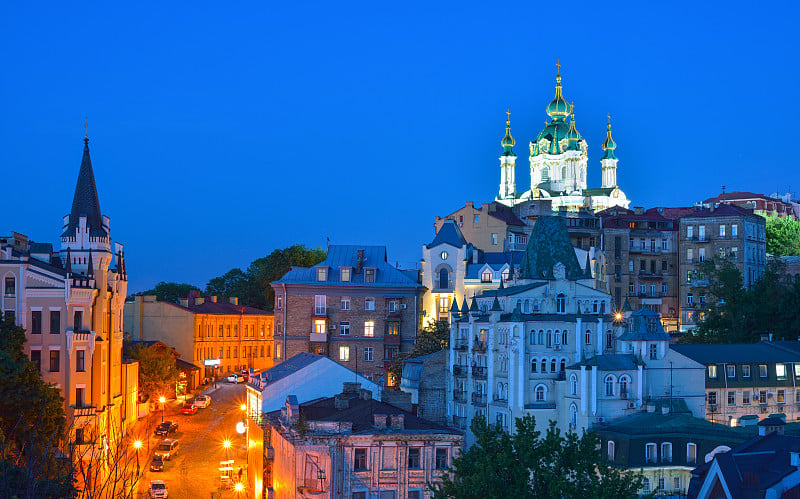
x=508, y=186
x=609, y=160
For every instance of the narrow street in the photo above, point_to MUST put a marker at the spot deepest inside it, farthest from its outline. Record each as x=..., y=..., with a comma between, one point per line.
x=193, y=472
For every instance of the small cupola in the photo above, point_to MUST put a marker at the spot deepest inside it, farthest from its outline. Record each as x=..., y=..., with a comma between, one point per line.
x=558, y=109
x=609, y=145
x=508, y=140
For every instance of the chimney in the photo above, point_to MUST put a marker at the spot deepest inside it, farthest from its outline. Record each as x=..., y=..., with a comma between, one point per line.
x=234, y=300
x=366, y=394
x=212, y=299
x=199, y=300
x=350, y=388
x=184, y=302
x=359, y=261
x=379, y=421
x=398, y=421
x=638, y=210
x=470, y=204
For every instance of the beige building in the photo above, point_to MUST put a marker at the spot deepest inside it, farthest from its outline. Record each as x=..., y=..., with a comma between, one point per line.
x=70, y=302
x=492, y=227
x=216, y=335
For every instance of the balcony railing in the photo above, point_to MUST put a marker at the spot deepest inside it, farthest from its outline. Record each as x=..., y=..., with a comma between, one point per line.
x=320, y=311
x=459, y=395
x=479, y=346
x=503, y=399
x=459, y=371
x=319, y=337
x=460, y=345
x=478, y=399
x=479, y=372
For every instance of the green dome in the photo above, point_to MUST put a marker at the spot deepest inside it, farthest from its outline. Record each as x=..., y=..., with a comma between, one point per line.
x=508, y=140
x=554, y=132
x=573, y=137
x=558, y=107
x=609, y=145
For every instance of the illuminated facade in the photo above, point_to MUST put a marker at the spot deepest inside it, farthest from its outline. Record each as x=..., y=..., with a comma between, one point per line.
x=558, y=164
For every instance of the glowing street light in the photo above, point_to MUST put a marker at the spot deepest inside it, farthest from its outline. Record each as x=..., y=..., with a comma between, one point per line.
x=227, y=445
x=243, y=407
x=239, y=487
x=162, y=399
x=137, y=444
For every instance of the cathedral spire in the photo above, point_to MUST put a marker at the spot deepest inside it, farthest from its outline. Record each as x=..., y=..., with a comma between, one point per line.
x=573, y=137
x=609, y=145
x=85, y=201
x=508, y=140
x=558, y=107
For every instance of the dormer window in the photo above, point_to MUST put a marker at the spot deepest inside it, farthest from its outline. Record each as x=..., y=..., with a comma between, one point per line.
x=322, y=274
x=369, y=275
x=345, y=274
x=486, y=276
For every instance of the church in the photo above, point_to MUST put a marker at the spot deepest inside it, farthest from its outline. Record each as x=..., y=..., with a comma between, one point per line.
x=558, y=164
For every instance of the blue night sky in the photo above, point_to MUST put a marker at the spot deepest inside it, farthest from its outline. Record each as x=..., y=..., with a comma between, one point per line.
x=221, y=131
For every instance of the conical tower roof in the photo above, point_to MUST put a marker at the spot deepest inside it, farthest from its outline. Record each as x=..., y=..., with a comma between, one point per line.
x=609, y=145
x=508, y=140
x=548, y=245
x=85, y=202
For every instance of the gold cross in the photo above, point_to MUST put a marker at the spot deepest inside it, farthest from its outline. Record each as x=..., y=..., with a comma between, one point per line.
x=558, y=64
x=86, y=126
x=508, y=114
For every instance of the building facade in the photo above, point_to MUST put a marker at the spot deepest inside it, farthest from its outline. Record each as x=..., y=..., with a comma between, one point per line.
x=70, y=302
x=721, y=232
x=761, y=204
x=354, y=307
x=558, y=164
x=641, y=250
x=215, y=335
x=354, y=447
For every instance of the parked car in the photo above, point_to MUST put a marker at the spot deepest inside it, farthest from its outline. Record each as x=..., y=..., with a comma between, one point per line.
x=158, y=489
x=202, y=401
x=166, y=428
x=157, y=464
x=167, y=449
x=188, y=408
x=235, y=378
x=246, y=375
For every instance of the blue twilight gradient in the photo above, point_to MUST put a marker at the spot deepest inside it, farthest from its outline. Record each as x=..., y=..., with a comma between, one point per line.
x=222, y=130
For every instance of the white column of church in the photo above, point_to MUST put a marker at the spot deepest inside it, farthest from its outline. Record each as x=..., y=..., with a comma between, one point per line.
x=578, y=340
x=594, y=390
x=600, y=336
x=489, y=364
x=583, y=390
x=639, y=385
x=520, y=402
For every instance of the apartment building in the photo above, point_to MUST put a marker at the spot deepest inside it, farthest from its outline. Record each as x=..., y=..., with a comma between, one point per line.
x=724, y=232
x=353, y=307
x=492, y=227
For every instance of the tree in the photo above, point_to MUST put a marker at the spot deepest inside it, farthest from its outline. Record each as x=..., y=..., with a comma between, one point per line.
x=32, y=425
x=232, y=283
x=431, y=338
x=171, y=292
x=526, y=464
x=783, y=236
x=157, y=371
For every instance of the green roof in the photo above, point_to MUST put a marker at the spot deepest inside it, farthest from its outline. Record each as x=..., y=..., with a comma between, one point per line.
x=558, y=107
x=609, y=145
x=508, y=140
x=548, y=245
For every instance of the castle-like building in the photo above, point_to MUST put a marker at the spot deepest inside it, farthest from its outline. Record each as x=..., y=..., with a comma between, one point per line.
x=558, y=163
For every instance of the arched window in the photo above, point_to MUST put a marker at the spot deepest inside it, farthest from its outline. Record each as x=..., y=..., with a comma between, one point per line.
x=544, y=365
x=519, y=304
x=573, y=416
x=541, y=337
x=486, y=276
x=564, y=337
x=588, y=337
x=534, y=364
x=549, y=338
x=444, y=279
x=609, y=386
x=557, y=337
x=561, y=304
x=563, y=173
x=533, y=337
x=624, y=383
x=505, y=275
x=563, y=365
x=553, y=365
x=527, y=306
x=612, y=450
x=594, y=307
x=573, y=385
x=10, y=286
x=545, y=174
x=541, y=393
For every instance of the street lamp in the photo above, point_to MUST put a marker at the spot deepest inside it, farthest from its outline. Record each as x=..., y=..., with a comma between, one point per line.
x=162, y=399
x=243, y=407
x=239, y=487
x=137, y=444
x=227, y=445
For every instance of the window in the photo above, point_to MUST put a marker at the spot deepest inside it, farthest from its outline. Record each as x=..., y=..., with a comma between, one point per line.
x=676, y=483
x=368, y=354
x=79, y=397
x=573, y=384
x=494, y=239
x=344, y=328
x=55, y=361
x=734, y=230
x=369, y=328
x=10, y=290
x=414, y=458
x=345, y=274
x=564, y=337
x=344, y=353
x=486, y=276
x=731, y=398
x=612, y=447
x=762, y=397
x=690, y=300
x=762, y=370
x=360, y=459
x=650, y=453
x=746, y=397
x=664, y=288
x=344, y=303
x=646, y=485
x=691, y=453
x=701, y=254
x=712, y=371
x=712, y=398
x=441, y=459
x=553, y=365
x=588, y=337
x=444, y=279
x=689, y=232
x=77, y=320
x=319, y=326
x=746, y=370
x=609, y=386
x=780, y=371
x=701, y=233
x=781, y=396
x=369, y=303
x=561, y=304
x=624, y=382
x=80, y=360
x=228, y=331
x=661, y=482
x=721, y=231
x=369, y=275
x=653, y=352
x=630, y=265
x=279, y=302
x=55, y=321
x=36, y=358
x=730, y=371
x=541, y=393
x=322, y=274
x=320, y=305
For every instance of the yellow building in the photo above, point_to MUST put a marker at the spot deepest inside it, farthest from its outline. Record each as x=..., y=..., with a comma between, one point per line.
x=218, y=336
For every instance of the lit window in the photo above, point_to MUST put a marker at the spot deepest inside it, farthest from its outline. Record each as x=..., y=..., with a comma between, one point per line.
x=780, y=371
x=486, y=276
x=369, y=328
x=345, y=274
x=322, y=274
x=712, y=371
x=369, y=275
x=762, y=370
x=344, y=353
x=319, y=325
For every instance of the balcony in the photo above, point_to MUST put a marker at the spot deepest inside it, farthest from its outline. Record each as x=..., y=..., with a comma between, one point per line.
x=320, y=311
x=459, y=371
x=699, y=283
x=391, y=339
x=460, y=422
x=480, y=372
x=318, y=338
x=269, y=453
x=460, y=345
x=84, y=411
x=479, y=399
x=700, y=239
x=652, y=294
x=500, y=399
x=479, y=346
x=460, y=396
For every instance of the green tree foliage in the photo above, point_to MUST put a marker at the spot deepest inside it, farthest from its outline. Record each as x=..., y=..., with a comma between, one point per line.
x=526, y=464
x=733, y=314
x=157, y=371
x=170, y=292
x=32, y=425
x=431, y=338
x=783, y=236
x=252, y=287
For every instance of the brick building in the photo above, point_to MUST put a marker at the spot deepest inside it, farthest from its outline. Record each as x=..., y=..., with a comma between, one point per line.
x=354, y=307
